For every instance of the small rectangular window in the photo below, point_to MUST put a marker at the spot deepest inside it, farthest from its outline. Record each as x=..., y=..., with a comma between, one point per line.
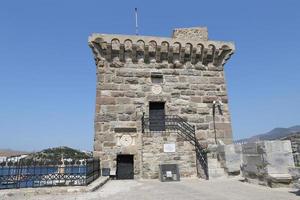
x=156, y=77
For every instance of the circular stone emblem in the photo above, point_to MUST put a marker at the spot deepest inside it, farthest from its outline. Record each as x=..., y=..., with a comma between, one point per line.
x=126, y=140
x=156, y=89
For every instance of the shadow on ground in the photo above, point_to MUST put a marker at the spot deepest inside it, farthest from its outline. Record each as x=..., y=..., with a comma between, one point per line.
x=296, y=192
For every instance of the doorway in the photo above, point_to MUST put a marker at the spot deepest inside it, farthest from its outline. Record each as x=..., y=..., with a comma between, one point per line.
x=125, y=168
x=157, y=116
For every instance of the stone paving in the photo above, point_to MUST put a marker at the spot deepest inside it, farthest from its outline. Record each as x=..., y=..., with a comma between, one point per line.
x=189, y=189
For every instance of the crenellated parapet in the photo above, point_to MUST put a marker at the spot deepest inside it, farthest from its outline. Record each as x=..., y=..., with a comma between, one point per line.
x=148, y=49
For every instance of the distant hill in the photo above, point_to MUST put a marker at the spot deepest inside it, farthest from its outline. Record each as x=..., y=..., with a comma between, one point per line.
x=10, y=152
x=55, y=154
x=274, y=134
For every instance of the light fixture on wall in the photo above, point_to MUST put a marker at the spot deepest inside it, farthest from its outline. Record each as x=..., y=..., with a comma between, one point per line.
x=216, y=104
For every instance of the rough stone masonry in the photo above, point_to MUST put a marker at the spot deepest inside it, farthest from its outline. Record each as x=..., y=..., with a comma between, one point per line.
x=136, y=74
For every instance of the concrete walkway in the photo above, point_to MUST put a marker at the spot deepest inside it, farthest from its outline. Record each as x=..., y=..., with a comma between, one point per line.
x=187, y=189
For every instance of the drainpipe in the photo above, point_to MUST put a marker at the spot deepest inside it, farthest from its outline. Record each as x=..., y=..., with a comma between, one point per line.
x=218, y=105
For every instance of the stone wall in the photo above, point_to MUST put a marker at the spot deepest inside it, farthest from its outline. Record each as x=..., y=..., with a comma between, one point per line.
x=268, y=162
x=295, y=141
x=193, y=78
x=154, y=155
x=198, y=33
x=230, y=157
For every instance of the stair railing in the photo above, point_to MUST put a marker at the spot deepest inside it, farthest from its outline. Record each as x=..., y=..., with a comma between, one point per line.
x=182, y=127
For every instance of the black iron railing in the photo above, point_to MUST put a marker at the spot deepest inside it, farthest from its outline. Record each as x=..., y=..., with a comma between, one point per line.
x=23, y=174
x=174, y=123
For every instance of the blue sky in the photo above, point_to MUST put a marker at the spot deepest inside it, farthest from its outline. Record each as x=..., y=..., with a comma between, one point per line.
x=47, y=72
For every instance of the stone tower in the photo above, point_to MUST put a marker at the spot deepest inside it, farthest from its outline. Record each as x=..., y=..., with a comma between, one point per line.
x=154, y=95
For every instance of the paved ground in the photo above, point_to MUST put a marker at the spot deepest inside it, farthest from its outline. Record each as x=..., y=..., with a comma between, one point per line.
x=188, y=189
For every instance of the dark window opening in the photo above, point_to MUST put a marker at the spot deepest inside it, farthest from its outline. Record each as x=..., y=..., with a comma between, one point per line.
x=157, y=116
x=157, y=78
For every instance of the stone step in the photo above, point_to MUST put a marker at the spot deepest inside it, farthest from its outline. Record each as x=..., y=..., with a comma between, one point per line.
x=216, y=173
x=213, y=163
x=214, y=168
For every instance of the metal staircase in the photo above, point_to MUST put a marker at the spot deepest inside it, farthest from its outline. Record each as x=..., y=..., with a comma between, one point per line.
x=174, y=123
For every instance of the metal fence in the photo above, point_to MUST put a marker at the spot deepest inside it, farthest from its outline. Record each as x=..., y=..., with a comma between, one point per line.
x=37, y=174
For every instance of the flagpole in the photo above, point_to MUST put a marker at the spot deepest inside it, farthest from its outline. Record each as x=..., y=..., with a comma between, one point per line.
x=136, y=22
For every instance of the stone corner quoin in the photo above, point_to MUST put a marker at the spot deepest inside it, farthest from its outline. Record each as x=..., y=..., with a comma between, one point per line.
x=184, y=72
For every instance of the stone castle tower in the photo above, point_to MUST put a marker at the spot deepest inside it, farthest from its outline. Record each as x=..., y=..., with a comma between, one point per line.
x=154, y=102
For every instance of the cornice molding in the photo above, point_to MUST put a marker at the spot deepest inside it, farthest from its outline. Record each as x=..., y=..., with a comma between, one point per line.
x=148, y=49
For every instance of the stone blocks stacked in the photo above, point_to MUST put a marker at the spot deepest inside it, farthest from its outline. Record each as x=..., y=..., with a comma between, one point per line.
x=295, y=141
x=153, y=155
x=193, y=77
x=268, y=162
x=230, y=157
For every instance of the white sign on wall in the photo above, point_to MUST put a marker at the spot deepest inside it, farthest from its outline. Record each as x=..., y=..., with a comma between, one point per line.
x=169, y=174
x=169, y=148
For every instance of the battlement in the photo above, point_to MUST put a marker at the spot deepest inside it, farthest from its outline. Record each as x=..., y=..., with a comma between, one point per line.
x=186, y=45
x=193, y=33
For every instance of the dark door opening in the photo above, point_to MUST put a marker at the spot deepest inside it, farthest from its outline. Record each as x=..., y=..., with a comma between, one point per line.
x=125, y=168
x=157, y=116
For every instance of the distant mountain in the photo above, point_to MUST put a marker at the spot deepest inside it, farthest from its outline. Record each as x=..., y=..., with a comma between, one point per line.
x=274, y=134
x=295, y=128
